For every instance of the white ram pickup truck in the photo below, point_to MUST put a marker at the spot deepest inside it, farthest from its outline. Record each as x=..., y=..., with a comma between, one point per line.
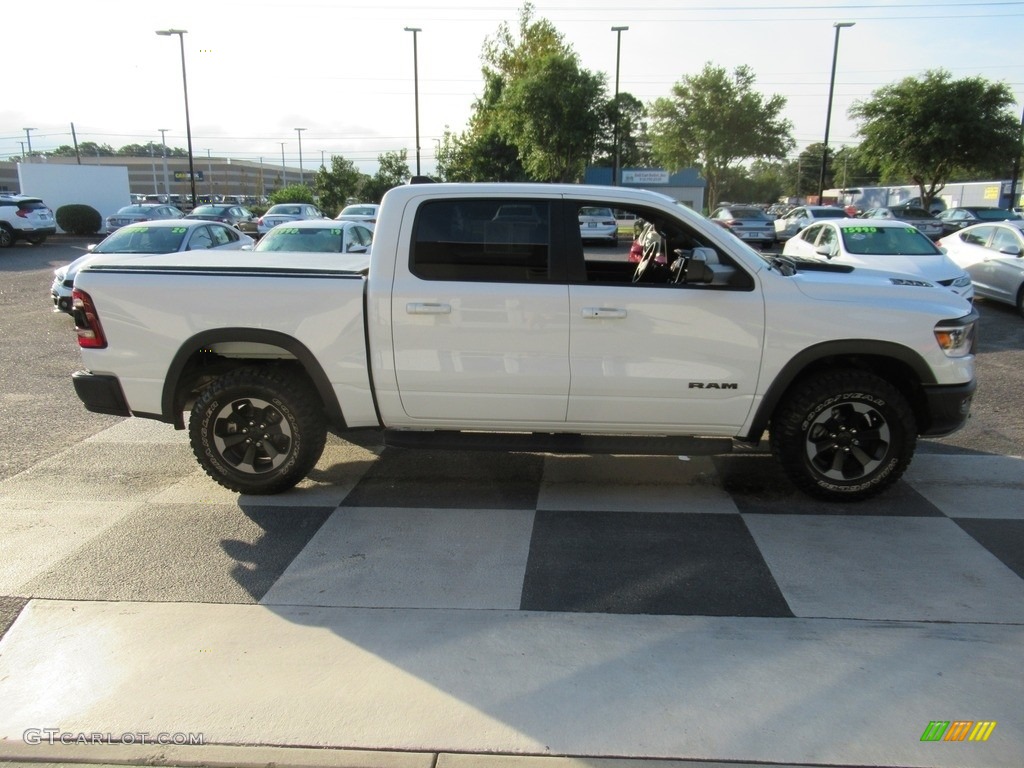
x=499, y=316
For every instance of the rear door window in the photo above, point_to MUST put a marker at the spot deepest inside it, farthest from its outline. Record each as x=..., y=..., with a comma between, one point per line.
x=491, y=240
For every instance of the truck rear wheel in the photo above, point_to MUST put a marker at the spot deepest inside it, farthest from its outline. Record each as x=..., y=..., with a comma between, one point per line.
x=844, y=435
x=258, y=430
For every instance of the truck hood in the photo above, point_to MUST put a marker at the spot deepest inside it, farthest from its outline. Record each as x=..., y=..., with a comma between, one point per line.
x=862, y=284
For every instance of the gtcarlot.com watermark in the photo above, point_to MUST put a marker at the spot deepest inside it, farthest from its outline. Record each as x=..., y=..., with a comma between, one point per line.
x=53, y=736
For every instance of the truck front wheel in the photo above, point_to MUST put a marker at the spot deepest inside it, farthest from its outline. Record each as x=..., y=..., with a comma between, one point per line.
x=258, y=430
x=844, y=435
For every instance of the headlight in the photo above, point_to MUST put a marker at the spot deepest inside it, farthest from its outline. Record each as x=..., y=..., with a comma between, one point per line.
x=957, y=337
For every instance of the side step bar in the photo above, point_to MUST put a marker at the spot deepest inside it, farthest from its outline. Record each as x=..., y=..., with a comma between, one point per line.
x=544, y=442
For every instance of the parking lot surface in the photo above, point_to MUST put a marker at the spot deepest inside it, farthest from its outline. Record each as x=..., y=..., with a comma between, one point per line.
x=490, y=609
x=515, y=604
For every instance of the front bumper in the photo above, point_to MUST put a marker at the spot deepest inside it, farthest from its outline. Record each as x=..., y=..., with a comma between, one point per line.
x=949, y=407
x=100, y=393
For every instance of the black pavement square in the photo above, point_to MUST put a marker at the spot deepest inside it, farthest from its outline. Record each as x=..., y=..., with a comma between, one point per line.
x=1003, y=538
x=758, y=485
x=649, y=562
x=449, y=480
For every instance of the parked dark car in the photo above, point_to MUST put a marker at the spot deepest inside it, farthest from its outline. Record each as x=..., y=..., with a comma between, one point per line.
x=916, y=217
x=238, y=217
x=954, y=219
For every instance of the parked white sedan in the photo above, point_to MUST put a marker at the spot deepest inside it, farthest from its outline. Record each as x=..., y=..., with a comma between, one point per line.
x=894, y=246
x=993, y=255
x=155, y=237
x=793, y=222
x=284, y=213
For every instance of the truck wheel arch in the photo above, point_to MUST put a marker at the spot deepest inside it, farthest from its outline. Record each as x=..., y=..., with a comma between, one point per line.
x=899, y=365
x=175, y=395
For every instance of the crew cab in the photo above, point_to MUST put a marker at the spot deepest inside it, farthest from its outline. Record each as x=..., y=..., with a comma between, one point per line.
x=480, y=319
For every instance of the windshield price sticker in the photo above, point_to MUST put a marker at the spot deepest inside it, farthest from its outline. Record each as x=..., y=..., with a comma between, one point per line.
x=859, y=230
x=179, y=230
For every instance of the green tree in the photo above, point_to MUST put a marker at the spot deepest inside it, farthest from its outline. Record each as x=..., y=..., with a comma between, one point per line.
x=808, y=170
x=296, y=193
x=393, y=172
x=336, y=187
x=85, y=149
x=928, y=129
x=539, y=115
x=714, y=121
x=478, y=154
x=553, y=112
x=850, y=170
x=634, y=142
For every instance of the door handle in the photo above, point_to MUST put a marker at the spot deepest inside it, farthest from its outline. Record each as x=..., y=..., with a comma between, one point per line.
x=426, y=308
x=591, y=313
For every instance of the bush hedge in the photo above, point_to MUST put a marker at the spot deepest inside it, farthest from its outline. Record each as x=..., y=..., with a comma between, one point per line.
x=79, y=219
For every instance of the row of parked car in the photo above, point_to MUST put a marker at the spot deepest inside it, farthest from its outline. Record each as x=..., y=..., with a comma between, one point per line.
x=285, y=227
x=237, y=215
x=757, y=226
x=972, y=250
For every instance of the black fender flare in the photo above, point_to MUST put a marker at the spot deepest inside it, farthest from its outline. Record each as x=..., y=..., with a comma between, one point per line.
x=171, y=403
x=850, y=349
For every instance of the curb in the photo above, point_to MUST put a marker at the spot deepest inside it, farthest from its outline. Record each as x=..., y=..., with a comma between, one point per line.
x=241, y=756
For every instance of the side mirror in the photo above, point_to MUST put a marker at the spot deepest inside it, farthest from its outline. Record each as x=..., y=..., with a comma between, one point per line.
x=824, y=250
x=697, y=269
x=1011, y=250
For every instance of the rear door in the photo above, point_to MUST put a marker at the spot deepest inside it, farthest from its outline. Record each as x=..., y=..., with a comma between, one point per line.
x=480, y=316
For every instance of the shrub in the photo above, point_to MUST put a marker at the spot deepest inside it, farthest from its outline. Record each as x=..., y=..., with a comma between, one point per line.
x=296, y=193
x=79, y=219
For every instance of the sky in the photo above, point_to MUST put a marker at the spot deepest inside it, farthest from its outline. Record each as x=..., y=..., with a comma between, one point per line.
x=344, y=71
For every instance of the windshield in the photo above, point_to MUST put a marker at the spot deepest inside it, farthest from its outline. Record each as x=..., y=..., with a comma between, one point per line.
x=892, y=241
x=748, y=213
x=830, y=213
x=140, y=238
x=995, y=214
x=305, y=239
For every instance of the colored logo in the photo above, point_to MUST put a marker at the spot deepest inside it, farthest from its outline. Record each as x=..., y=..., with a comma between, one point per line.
x=958, y=730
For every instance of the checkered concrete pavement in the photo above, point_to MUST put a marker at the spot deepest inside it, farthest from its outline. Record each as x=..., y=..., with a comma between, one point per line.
x=407, y=603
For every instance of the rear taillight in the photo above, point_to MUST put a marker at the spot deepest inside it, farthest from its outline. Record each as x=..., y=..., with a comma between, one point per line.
x=22, y=213
x=87, y=322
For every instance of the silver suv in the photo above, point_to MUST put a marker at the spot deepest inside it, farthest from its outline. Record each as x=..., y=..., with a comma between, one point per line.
x=24, y=218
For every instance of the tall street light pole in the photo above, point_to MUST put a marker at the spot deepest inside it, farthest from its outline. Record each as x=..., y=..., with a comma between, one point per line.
x=828, y=110
x=618, y=50
x=188, y=123
x=416, y=91
x=302, y=179
x=284, y=172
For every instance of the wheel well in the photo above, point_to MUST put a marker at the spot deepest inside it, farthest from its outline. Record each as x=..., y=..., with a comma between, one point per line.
x=204, y=358
x=900, y=372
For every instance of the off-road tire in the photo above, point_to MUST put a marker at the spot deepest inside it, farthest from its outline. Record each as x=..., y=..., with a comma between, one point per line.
x=258, y=430
x=844, y=435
